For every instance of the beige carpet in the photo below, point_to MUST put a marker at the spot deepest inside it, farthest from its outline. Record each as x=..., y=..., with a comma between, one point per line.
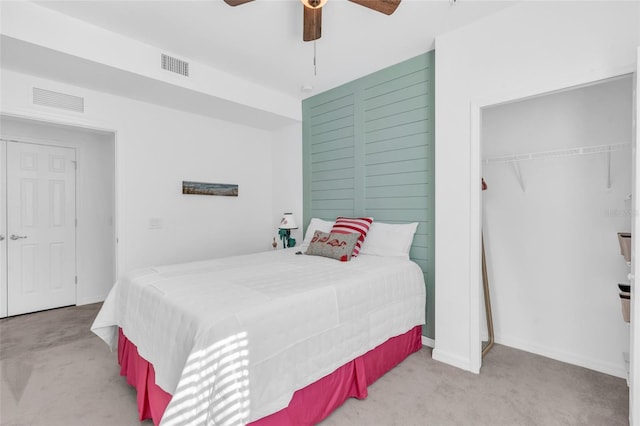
x=55, y=372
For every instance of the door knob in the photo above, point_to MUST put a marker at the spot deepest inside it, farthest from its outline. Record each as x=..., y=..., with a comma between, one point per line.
x=17, y=237
x=1, y=237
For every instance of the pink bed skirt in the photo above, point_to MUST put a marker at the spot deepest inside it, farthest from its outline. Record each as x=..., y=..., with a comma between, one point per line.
x=308, y=405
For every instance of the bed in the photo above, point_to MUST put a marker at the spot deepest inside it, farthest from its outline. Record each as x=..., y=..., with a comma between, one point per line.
x=261, y=338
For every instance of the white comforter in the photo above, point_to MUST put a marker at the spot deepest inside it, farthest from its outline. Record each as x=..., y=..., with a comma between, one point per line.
x=232, y=339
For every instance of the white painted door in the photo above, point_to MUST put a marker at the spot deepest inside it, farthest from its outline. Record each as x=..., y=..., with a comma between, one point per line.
x=41, y=227
x=3, y=232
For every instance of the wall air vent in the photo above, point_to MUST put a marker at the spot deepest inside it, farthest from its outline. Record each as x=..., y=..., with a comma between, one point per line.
x=176, y=65
x=57, y=100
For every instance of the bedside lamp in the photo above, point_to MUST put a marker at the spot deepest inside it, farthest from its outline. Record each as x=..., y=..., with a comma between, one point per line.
x=287, y=223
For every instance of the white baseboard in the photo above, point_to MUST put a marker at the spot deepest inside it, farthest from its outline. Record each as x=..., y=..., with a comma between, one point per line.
x=428, y=342
x=90, y=299
x=454, y=360
x=613, y=369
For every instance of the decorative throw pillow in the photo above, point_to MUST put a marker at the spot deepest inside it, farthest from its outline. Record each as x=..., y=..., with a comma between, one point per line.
x=334, y=246
x=349, y=225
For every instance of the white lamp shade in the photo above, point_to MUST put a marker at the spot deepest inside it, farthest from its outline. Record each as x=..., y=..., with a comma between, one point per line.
x=288, y=222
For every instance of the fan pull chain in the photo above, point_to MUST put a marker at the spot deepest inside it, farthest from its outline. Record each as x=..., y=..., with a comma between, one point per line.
x=315, y=71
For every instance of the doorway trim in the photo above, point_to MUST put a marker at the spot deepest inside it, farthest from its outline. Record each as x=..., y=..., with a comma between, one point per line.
x=476, y=217
x=4, y=290
x=81, y=126
x=634, y=341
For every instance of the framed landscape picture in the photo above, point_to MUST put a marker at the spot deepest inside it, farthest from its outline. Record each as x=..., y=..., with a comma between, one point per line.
x=202, y=188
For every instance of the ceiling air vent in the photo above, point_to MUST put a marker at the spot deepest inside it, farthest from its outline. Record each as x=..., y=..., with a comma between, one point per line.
x=176, y=65
x=57, y=100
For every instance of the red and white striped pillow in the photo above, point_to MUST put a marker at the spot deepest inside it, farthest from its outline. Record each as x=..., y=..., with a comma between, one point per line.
x=350, y=225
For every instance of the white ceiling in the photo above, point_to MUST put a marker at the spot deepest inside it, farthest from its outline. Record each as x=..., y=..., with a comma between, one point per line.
x=262, y=40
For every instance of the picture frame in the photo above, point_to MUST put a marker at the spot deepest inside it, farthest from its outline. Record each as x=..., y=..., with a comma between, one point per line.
x=204, y=188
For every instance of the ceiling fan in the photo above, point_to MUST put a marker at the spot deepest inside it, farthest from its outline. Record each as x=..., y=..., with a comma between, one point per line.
x=312, y=25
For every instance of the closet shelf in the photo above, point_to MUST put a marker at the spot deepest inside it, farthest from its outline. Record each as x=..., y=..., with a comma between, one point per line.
x=567, y=152
x=515, y=160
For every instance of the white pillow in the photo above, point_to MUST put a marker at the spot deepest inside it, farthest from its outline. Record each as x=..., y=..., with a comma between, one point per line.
x=389, y=239
x=315, y=224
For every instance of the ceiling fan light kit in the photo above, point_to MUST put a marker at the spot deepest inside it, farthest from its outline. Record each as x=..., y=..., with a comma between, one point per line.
x=312, y=25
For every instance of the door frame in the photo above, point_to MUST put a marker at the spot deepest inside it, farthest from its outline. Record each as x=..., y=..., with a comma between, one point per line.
x=69, y=124
x=4, y=289
x=476, y=219
x=634, y=343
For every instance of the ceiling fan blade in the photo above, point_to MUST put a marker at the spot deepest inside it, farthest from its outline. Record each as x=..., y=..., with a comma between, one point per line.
x=384, y=6
x=236, y=2
x=312, y=26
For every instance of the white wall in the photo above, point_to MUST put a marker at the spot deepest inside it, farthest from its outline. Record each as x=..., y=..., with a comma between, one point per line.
x=95, y=205
x=157, y=148
x=553, y=257
x=287, y=178
x=527, y=49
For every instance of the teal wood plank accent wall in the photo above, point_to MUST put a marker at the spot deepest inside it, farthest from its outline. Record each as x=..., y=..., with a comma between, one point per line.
x=368, y=150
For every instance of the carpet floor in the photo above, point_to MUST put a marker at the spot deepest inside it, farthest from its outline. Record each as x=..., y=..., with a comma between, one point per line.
x=54, y=371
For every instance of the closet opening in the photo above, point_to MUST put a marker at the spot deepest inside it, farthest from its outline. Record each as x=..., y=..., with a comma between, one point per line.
x=558, y=169
x=45, y=262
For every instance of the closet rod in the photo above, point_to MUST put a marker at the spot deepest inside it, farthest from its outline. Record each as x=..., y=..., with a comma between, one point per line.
x=567, y=152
